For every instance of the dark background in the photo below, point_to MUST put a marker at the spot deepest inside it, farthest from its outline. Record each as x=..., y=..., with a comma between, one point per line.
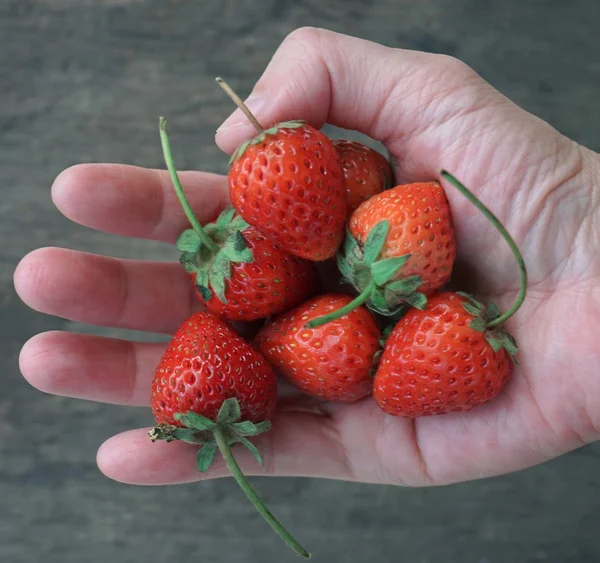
x=84, y=81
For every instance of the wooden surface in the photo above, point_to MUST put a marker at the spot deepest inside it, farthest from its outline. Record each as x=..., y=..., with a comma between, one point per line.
x=84, y=81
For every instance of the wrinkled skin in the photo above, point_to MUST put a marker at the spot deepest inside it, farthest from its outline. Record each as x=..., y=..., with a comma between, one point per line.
x=431, y=112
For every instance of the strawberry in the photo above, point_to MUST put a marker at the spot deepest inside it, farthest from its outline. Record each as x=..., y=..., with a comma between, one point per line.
x=333, y=362
x=366, y=172
x=442, y=359
x=213, y=389
x=205, y=363
x=454, y=354
x=238, y=272
x=287, y=181
x=399, y=241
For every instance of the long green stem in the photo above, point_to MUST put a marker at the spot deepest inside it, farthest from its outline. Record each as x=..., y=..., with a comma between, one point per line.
x=338, y=313
x=240, y=104
x=509, y=240
x=166, y=146
x=253, y=496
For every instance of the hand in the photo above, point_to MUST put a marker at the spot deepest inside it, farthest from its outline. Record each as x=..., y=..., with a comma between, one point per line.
x=431, y=112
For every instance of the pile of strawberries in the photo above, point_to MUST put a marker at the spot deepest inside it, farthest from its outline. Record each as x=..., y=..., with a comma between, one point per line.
x=387, y=332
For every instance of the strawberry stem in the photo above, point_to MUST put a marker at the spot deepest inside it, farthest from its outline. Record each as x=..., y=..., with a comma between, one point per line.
x=509, y=240
x=166, y=146
x=240, y=104
x=253, y=496
x=338, y=313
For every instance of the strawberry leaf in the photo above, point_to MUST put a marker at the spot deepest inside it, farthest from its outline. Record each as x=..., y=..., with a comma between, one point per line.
x=480, y=325
x=493, y=312
x=225, y=218
x=350, y=244
x=188, y=241
x=189, y=435
x=362, y=275
x=204, y=292
x=375, y=241
x=471, y=298
x=346, y=270
x=238, y=224
x=405, y=285
x=378, y=301
x=292, y=124
x=202, y=284
x=498, y=338
x=510, y=344
x=194, y=420
x=190, y=261
x=220, y=270
x=239, y=151
x=206, y=455
x=416, y=299
x=229, y=411
x=258, y=139
x=251, y=448
x=236, y=248
x=383, y=271
x=471, y=309
x=495, y=344
x=248, y=428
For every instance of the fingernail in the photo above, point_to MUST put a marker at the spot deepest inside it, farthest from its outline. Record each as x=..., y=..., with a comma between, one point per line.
x=238, y=119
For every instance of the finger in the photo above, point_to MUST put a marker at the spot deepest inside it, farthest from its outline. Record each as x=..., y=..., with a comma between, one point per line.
x=299, y=444
x=88, y=367
x=110, y=370
x=93, y=289
x=136, y=202
x=321, y=76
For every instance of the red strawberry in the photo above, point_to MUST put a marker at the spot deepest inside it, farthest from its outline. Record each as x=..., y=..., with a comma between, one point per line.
x=213, y=389
x=238, y=272
x=399, y=241
x=287, y=182
x=333, y=362
x=453, y=355
x=273, y=282
x=366, y=172
x=420, y=226
x=205, y=363
x=440, y=360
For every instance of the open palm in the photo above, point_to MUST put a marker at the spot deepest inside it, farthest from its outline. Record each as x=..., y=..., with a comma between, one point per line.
x=431, y=112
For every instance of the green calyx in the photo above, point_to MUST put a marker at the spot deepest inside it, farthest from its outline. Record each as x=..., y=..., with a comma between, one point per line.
x=378, y=280
x=207, y=252
x=262, y=135
x=483, y=321
x=200, y=430
x=211, y=267
x=222, y=434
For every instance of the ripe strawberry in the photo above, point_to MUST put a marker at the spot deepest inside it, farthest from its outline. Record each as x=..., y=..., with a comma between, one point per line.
x=399, y=241
x=287, y=182
x=238, y=272
x=213, y=389
x=453, y=355
x=273, y=282
x=366, y=172
x=205, y=363
x=333, y=362
x=443, y=359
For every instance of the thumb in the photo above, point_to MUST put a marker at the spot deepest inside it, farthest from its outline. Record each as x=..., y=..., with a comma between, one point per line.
x=325, y=77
